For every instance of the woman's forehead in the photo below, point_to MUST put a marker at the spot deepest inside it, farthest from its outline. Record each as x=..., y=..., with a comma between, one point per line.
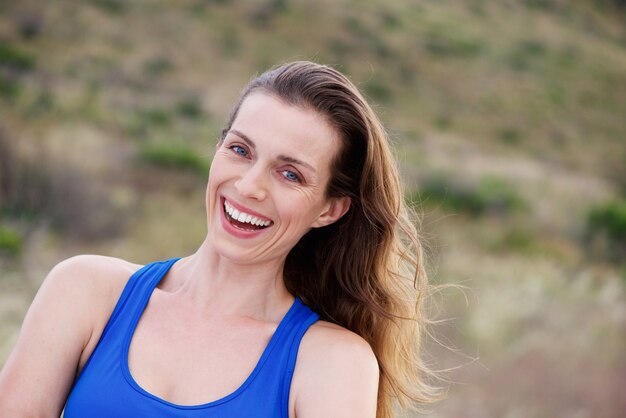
x=267, y=120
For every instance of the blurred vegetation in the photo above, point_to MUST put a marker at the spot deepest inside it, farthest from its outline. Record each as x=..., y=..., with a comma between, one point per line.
x=489, y=196
x=37, y=189
x=508, y=118
x=10, y=240
x=14, y=58
x=606, y=223
x=190, y=107
x=174, y=156
x=13, y=63
x=610, y=218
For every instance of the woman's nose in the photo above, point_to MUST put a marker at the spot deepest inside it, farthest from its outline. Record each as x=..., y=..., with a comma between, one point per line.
x=252, y=183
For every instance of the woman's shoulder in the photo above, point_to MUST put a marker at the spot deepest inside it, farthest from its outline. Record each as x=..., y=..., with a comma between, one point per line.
x=95, y=266
x=91, y=273
x=336, y=374
x=325, y=341
x=84, y=289
x=92, y=282
x=336, y=370
x=328, y=336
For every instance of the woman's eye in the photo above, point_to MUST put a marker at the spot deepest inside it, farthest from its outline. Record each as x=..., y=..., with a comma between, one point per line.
x=239, y=150
x=291, y=176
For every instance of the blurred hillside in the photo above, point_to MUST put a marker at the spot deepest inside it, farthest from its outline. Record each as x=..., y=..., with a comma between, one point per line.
x=509, y=122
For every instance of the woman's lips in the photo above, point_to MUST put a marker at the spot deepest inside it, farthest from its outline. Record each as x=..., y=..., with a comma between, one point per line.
x=244, y=219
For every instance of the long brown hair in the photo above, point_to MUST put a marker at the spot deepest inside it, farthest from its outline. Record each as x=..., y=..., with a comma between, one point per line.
x=365, y=272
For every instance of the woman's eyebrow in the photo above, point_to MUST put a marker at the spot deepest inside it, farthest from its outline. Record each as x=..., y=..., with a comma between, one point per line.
x=281, y=157
x=244, y=137
x=292, y=160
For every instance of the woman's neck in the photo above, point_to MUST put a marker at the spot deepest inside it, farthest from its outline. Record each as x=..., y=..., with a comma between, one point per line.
x=216, y=285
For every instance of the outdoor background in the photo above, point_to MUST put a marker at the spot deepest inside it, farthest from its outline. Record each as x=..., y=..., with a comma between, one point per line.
x=508, y=118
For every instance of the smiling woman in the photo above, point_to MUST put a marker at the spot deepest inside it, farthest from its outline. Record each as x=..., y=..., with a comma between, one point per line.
x=269, y=168
x=304, y=300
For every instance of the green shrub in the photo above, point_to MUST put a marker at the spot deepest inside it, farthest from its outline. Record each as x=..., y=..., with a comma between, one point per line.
x=10, y=88
x=354, y=26
x=190, y=107
x=525, y=53
x=339, y=49
x=174, y=156
x=15, y=58
x=443, y=121
x=265, y=12
x=158, y=66
x=610, y=218
x=516, y=239
x=377, y=90
x=367, y=38
x=509, y=135
x=155, y=117
x=445, y=45
x=606, y=229
x=112, y=7
x=230, y=43
x=541, y=4
x=10, y=241
x=390, y=21
x=490, y=196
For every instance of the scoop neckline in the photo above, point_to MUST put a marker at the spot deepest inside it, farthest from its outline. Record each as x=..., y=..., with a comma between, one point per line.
x=133, y=326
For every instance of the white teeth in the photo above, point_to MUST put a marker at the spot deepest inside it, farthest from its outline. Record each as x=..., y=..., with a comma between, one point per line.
x=244, y=217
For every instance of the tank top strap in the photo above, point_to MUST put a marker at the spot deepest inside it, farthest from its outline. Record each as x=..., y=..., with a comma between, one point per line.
x=137, y=291
x=306, y=318
x=278, y=362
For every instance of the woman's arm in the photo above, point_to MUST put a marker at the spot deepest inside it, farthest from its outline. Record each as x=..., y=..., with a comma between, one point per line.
x=336, y=375
x=60, y=330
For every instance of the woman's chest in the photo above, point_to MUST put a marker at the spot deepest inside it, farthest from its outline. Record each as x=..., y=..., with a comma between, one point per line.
x=190, y=361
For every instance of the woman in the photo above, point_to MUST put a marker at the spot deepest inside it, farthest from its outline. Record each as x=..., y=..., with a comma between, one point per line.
x=303, y=301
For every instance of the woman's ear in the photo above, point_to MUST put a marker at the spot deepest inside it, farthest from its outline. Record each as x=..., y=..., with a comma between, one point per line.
x=336, y=208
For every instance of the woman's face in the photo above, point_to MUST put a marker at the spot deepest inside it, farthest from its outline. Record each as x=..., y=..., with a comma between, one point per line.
x=268, y=179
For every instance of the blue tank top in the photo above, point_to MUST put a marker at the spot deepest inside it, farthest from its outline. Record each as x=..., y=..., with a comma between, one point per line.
x=106, y=388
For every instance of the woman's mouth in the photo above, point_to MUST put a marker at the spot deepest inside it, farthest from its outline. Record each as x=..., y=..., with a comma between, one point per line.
x=244, y=221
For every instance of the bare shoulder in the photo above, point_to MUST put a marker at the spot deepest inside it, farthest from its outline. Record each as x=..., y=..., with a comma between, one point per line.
x=96, y=267
x=336, y=374
x=92, y=273
x=327, y=340
x=83, y=290
x=86, y=288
